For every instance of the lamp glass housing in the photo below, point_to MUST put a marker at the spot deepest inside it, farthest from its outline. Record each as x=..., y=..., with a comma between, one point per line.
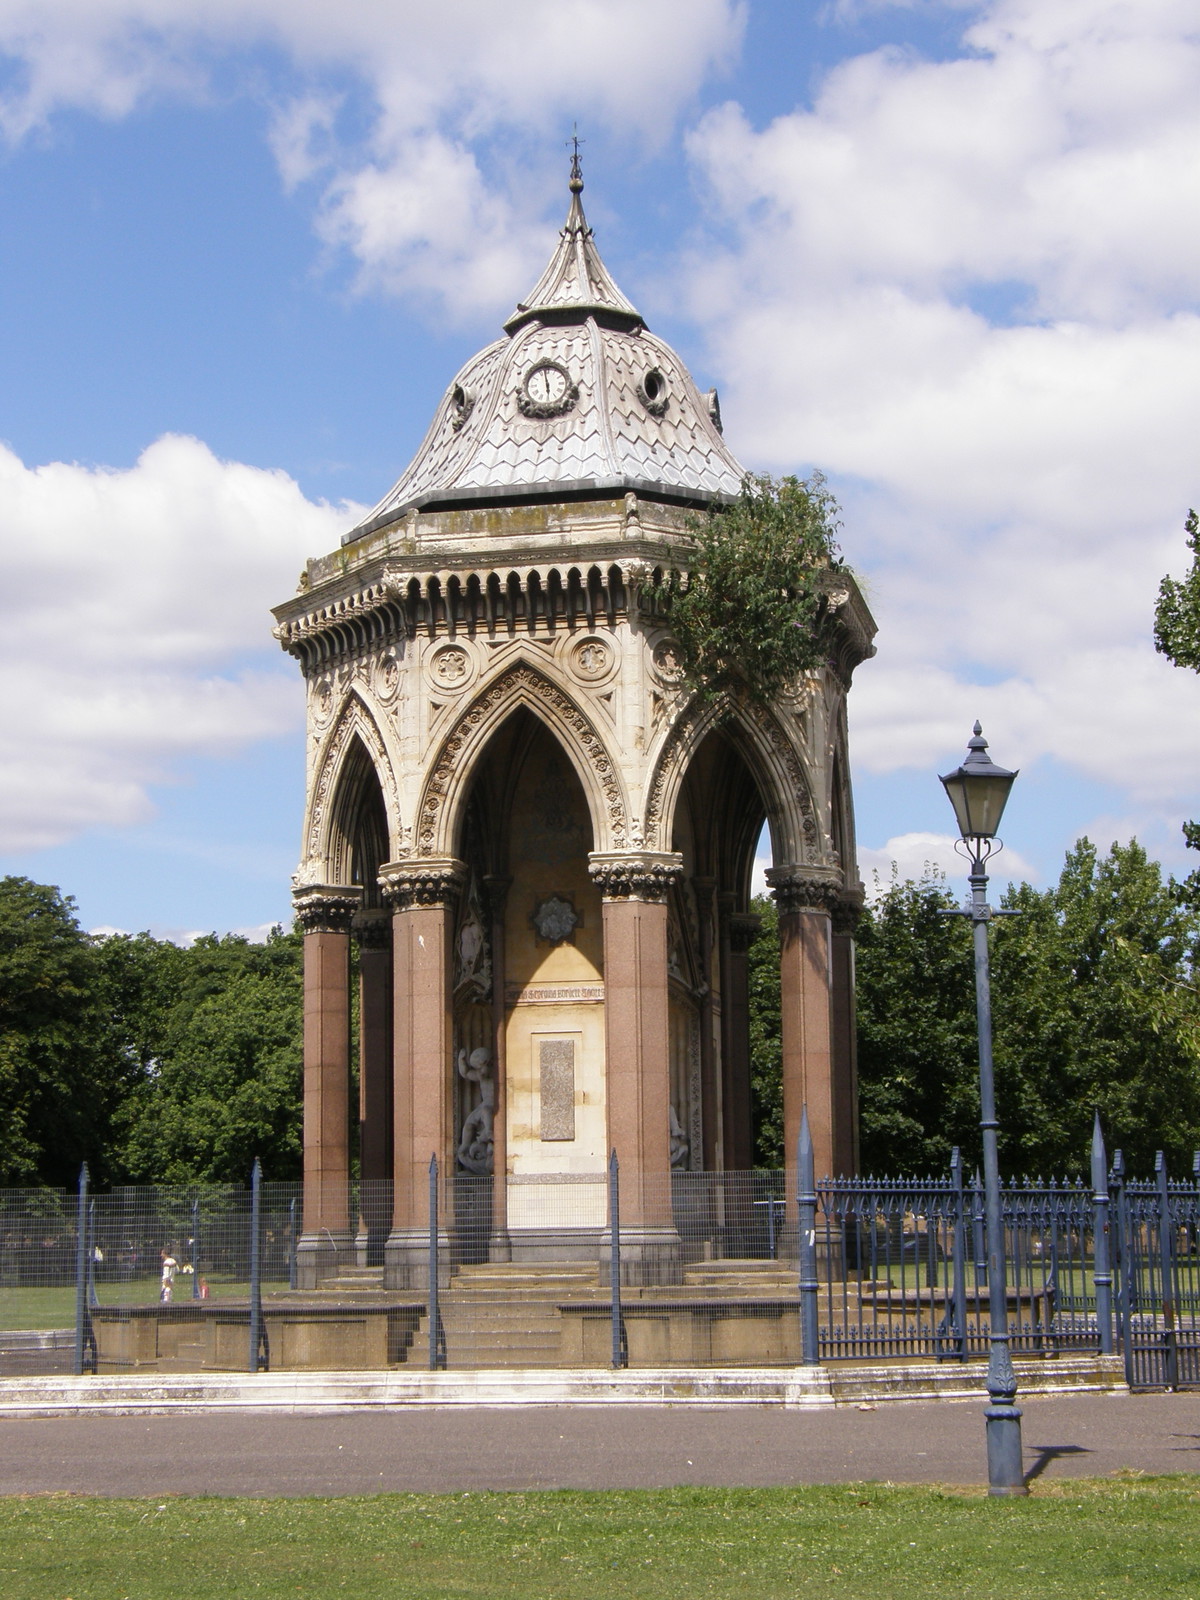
x=978, y=791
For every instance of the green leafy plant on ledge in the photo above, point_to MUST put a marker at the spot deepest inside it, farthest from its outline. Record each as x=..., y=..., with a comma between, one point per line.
x=752, y=612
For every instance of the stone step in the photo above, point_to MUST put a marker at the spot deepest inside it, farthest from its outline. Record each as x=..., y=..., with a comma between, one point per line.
x=524, y=1280
x=490, y=1316
x=555, y=1295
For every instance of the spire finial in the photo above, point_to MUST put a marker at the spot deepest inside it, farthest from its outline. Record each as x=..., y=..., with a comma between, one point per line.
x=576, y=181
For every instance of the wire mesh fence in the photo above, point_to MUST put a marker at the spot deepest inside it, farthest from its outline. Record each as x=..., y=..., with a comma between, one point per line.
x=600, y=1268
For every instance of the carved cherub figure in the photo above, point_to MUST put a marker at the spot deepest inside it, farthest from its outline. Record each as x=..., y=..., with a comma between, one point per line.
x=678, y=1139
x=475, y=1145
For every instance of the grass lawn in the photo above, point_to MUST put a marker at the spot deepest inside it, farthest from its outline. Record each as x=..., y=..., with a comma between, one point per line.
x=1087, y=1540
x=55, y=1308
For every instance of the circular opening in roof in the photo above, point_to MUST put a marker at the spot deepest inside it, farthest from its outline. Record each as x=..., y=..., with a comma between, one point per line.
x=652, y=391
x=462, y=403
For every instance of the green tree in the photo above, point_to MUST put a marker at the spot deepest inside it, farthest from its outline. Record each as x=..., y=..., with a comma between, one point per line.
x=751, y=613
x=221, y=1062
x=918, y=1092
x=1177, y=636
x=1096, y=1009
x=59, y=1085
x=766, y=1062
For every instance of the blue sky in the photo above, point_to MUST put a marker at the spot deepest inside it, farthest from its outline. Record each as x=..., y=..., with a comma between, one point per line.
x=947, y=253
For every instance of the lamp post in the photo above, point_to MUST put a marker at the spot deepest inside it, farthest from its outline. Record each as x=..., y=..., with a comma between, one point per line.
x=978, y=791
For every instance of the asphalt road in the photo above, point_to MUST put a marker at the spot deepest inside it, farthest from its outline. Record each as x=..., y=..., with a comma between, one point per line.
x=582, y=1447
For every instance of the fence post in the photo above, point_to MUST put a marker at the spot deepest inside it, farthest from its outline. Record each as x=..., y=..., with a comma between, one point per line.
x=195, y=1249
x=806, y=1199
x=437, y=1334
x=620, y=1339
x=293, y=1236
x=978, y=1247
x=260, y=1350
x=959, y=1248
x=85, y=1334
x=93, y=1297
x=1125, y=1267
x=1101, y=1260
x=1166, y=1256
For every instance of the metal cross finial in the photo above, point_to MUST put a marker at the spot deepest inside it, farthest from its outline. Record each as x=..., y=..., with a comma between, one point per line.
x=576, y=183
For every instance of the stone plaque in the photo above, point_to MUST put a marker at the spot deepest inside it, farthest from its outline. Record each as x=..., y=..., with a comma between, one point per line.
x=556, y=1058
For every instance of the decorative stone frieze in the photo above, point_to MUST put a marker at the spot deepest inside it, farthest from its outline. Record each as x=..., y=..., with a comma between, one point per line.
x=423, y=883
x=326, y=908
x=795, y=890
x=642, y=875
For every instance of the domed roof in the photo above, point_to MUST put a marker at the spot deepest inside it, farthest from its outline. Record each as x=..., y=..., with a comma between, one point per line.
x=579, y=398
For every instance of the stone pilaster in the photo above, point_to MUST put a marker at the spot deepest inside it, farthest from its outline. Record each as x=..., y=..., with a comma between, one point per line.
x=845, y=918
x=637, y=1054
x=422, y=895
x=806, y=900
x=325, y=913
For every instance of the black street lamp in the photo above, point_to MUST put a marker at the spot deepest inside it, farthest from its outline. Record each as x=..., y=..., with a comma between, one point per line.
x=978, y=792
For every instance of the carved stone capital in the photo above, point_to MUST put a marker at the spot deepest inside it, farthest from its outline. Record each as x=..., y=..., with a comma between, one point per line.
x=431, y=881
x=848, y=912
x=744, y=929
x=495, y=889
x=373, y=931
x=795, y=889
x=326, y=907
x=635, y=875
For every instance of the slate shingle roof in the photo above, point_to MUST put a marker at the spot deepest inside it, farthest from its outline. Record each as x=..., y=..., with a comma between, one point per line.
x=622, y=430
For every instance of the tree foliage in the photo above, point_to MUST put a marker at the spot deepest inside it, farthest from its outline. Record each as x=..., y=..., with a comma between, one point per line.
x=766, y=1075
x=222, y=1076
x=751, y=614
x=1177, y=635
x=58, y=1087
x=152, y=1062
x=1095, y=1007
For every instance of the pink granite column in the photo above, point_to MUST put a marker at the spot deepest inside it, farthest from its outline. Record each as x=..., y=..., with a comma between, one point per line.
x=847, y=914
x=637, y=1056
x=327, y=1241
x=806, y=1011
x=422, y=896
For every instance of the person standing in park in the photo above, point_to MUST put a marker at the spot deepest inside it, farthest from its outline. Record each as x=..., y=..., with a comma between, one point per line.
x=169, y=1266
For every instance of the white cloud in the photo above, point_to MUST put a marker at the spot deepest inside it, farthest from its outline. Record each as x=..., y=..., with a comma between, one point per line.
x=134, y=627
x=969, y=290
x=408, y=200
x=913, y=855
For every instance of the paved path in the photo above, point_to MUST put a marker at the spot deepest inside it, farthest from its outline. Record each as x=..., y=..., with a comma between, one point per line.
x=597, y=1448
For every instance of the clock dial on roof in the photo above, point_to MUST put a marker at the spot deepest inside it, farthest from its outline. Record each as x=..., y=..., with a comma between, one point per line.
x=576, y=353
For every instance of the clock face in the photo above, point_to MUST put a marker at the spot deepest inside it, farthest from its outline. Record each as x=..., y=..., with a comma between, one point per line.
x=546, y=384
x=547, y=390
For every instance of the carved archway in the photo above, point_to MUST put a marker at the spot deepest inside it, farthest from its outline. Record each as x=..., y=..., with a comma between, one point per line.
x=353, y=746
x=449, y=778
x=770, y=755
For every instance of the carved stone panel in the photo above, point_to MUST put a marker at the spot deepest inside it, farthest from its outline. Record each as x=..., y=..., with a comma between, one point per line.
x=556, y=1061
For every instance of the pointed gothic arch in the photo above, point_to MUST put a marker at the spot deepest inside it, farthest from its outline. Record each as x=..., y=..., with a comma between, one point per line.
x=353, y=753
x=448, y=780
x=772, y=759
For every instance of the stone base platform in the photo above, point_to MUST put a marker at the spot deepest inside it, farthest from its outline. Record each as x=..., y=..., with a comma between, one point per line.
x=794, y=1387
